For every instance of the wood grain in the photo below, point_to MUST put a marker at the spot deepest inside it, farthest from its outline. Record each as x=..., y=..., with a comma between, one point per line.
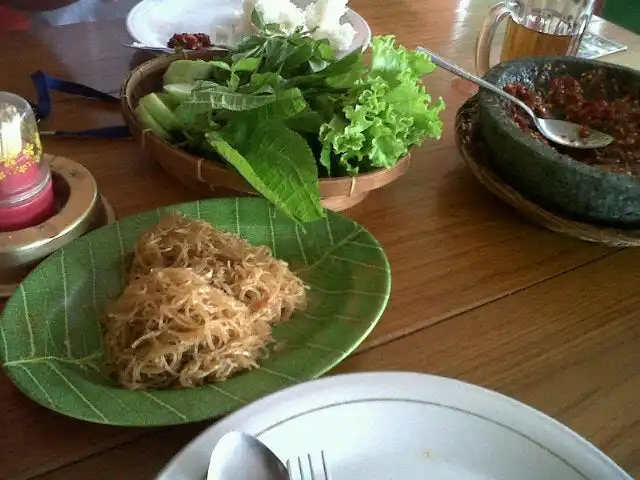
x=478, y=293
x=146, y=451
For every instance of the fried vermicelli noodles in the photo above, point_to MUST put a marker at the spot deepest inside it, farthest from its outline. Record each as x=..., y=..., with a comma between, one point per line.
x=249, y=273
x=198, y=307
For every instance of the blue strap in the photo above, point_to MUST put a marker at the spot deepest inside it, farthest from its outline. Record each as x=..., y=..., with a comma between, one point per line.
x=121, y=131
x=44, y=84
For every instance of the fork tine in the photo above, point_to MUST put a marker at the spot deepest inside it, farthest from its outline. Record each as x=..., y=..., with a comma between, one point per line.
x=309, y=467
x=301, y=469
x=325, y=466
x=289, y=472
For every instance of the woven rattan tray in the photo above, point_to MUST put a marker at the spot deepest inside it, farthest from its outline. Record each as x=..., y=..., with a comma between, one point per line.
x=472, y=147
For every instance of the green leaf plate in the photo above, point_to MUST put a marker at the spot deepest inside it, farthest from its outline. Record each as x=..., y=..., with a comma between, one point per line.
x=50, y=341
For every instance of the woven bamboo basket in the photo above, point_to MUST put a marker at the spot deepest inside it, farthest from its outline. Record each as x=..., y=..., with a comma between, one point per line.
x=473, y=149
x=205, y=175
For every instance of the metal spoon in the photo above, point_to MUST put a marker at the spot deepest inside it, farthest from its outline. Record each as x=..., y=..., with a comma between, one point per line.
x=139, y=46
x=239, y=455
x=558, y=131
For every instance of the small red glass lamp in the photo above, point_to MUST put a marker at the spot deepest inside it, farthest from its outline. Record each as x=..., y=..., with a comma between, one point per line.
x=26, y=188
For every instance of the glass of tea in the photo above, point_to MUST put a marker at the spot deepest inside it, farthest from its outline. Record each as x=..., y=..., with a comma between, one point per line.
x=534, y=28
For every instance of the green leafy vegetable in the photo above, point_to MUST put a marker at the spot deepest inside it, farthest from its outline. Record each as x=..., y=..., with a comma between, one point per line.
x=277, y=162
x=221, y=64
x=384, y=113
x=282, y=110
x=248, y=64
x=220, y=98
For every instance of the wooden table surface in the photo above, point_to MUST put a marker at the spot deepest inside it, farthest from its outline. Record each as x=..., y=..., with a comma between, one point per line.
x=478, y=294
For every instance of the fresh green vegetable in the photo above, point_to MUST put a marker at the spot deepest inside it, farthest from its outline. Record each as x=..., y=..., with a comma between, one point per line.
x=178, y=93
x=384, y=113
x=187, y=71
x=282, y=111
x=160, y=112
x=168, y=100
x=149, y=122
x=276, y=161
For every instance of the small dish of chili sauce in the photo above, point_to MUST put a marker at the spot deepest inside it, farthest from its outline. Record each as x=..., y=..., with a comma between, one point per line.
x=189, y=41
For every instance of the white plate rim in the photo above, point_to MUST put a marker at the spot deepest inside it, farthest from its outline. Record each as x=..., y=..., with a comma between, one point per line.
x=353, y=17
x=274, y=409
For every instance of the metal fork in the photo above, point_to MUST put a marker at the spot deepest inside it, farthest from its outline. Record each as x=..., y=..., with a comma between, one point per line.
x=309, y=467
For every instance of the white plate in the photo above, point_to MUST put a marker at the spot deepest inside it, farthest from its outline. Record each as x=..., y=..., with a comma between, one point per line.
x=153, y=22
x=406, y=426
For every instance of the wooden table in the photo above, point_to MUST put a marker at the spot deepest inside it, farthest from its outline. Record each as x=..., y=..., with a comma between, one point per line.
x=478, y=294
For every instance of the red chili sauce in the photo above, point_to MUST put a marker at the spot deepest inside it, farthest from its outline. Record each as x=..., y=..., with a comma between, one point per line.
x=584, y=102
x=189, y=41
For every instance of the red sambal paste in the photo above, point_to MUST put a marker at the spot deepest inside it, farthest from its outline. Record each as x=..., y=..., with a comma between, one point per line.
x=584, y=102
x=189, y=41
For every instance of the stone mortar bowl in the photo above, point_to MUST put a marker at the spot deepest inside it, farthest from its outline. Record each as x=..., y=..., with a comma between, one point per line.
x=553, y=180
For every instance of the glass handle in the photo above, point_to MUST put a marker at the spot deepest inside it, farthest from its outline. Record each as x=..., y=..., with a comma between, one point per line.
x=483, y=43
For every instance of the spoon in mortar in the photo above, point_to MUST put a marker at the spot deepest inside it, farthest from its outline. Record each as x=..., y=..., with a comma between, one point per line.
x=558, y=131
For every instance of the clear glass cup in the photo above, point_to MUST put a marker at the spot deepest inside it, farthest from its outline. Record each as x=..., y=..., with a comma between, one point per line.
x=534, y=28
x=26, y=190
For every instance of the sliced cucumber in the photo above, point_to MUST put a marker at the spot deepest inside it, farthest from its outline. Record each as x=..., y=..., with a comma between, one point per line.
x=149, y=122
x=187, y=71
x=160, y=112
x=168, y=100
x=179, y=92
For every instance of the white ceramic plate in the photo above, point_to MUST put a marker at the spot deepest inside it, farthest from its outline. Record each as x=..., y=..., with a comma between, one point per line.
x=153, y=22
x=406, y=426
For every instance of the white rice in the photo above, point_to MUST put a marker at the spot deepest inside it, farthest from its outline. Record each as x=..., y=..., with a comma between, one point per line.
x=324, y=15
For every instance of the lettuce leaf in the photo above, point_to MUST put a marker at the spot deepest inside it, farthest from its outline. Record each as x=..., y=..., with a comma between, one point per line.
x=384, y=113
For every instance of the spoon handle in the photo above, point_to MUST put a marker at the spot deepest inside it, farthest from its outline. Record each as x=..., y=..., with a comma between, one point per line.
x=456, y=70
x=170, y=50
